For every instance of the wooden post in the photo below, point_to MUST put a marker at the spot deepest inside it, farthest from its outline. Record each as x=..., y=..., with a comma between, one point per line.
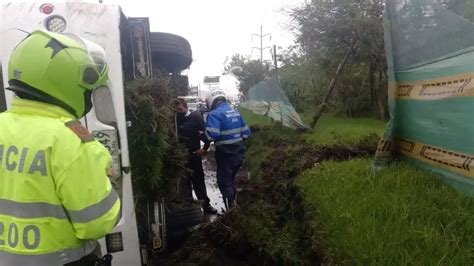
x=332, y=85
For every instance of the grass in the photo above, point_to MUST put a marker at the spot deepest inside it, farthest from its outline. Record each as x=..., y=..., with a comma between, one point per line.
x=397, y=216
x=335, y=130
x=260, y=150
x=262, y=229
x=329, y=130
x=253, y=119
x=400, y=215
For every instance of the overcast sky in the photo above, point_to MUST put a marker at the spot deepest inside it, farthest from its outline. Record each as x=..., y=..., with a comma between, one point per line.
x=216, y=28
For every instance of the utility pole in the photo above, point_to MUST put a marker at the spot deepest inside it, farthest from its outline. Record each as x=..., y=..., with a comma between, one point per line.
x=261, y=36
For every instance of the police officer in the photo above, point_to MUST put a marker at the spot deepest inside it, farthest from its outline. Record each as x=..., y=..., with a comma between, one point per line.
x=55, y=194
x=226, y=127
x=191, y=133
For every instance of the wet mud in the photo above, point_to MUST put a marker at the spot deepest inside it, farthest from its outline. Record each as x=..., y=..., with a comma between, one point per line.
x=267, y=206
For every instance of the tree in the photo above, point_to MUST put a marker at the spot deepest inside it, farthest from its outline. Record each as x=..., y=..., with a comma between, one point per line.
x=324, y=32
x=247, y=71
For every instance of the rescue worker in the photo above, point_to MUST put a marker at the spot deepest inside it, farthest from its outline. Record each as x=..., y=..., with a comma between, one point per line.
x=55, y=195
x=226, y=127
x=191, y=133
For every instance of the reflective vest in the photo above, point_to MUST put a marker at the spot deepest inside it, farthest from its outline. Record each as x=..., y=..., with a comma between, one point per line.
x=225, y=125
x=55, y=195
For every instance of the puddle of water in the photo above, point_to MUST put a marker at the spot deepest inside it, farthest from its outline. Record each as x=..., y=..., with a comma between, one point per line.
x=213, y=192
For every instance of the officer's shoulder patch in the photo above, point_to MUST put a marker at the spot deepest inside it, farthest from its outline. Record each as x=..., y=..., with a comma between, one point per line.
x=80, y=130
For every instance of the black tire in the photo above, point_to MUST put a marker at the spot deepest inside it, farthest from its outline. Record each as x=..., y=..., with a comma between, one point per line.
x=182, y=217
x=170, y=51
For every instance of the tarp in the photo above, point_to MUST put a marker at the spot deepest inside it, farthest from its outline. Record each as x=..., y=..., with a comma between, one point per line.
x=268, y=99
x=430, y=55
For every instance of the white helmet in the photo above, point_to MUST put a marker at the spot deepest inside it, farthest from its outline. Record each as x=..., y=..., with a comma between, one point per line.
x=214, y=95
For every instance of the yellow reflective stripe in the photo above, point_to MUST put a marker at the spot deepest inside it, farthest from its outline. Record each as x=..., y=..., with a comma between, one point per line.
x=31, y=210
x=95, y=211
x=57, y=258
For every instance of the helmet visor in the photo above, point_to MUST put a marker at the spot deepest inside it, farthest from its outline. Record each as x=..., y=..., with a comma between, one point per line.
x=97, y=55
x=96, y=69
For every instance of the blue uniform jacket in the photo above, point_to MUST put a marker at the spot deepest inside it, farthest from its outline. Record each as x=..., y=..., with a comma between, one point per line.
x=225, y=125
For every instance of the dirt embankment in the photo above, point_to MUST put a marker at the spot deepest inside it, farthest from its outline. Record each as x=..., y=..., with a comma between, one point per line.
x=269, y=226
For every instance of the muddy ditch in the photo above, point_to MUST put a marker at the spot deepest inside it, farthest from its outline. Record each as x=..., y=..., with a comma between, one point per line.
x=269, y=225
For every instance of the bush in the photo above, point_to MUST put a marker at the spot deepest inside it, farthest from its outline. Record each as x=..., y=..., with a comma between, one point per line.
x=158, y=162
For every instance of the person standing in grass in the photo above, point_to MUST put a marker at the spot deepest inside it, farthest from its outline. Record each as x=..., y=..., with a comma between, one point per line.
x=226, y=127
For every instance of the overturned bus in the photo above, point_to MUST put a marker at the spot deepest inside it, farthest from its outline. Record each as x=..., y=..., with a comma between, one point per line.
x=133, y=52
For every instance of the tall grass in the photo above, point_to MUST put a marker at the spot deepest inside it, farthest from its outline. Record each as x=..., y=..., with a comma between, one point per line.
x=348, y=131
x=398, y=216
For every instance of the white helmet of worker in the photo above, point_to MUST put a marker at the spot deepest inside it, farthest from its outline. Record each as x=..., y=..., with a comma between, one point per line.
x=215, y=97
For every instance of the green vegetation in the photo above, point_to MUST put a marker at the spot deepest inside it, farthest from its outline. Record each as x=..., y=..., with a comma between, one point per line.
x=313, y=198
x=334, y=130
x=397, y=216
x=277, y=239
x=247, y=70
x=252, y=119
x=158, y=161
x=272, y=218
x=330, y=130
x=264, y=144
x=156, y=158
x=354, y=215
